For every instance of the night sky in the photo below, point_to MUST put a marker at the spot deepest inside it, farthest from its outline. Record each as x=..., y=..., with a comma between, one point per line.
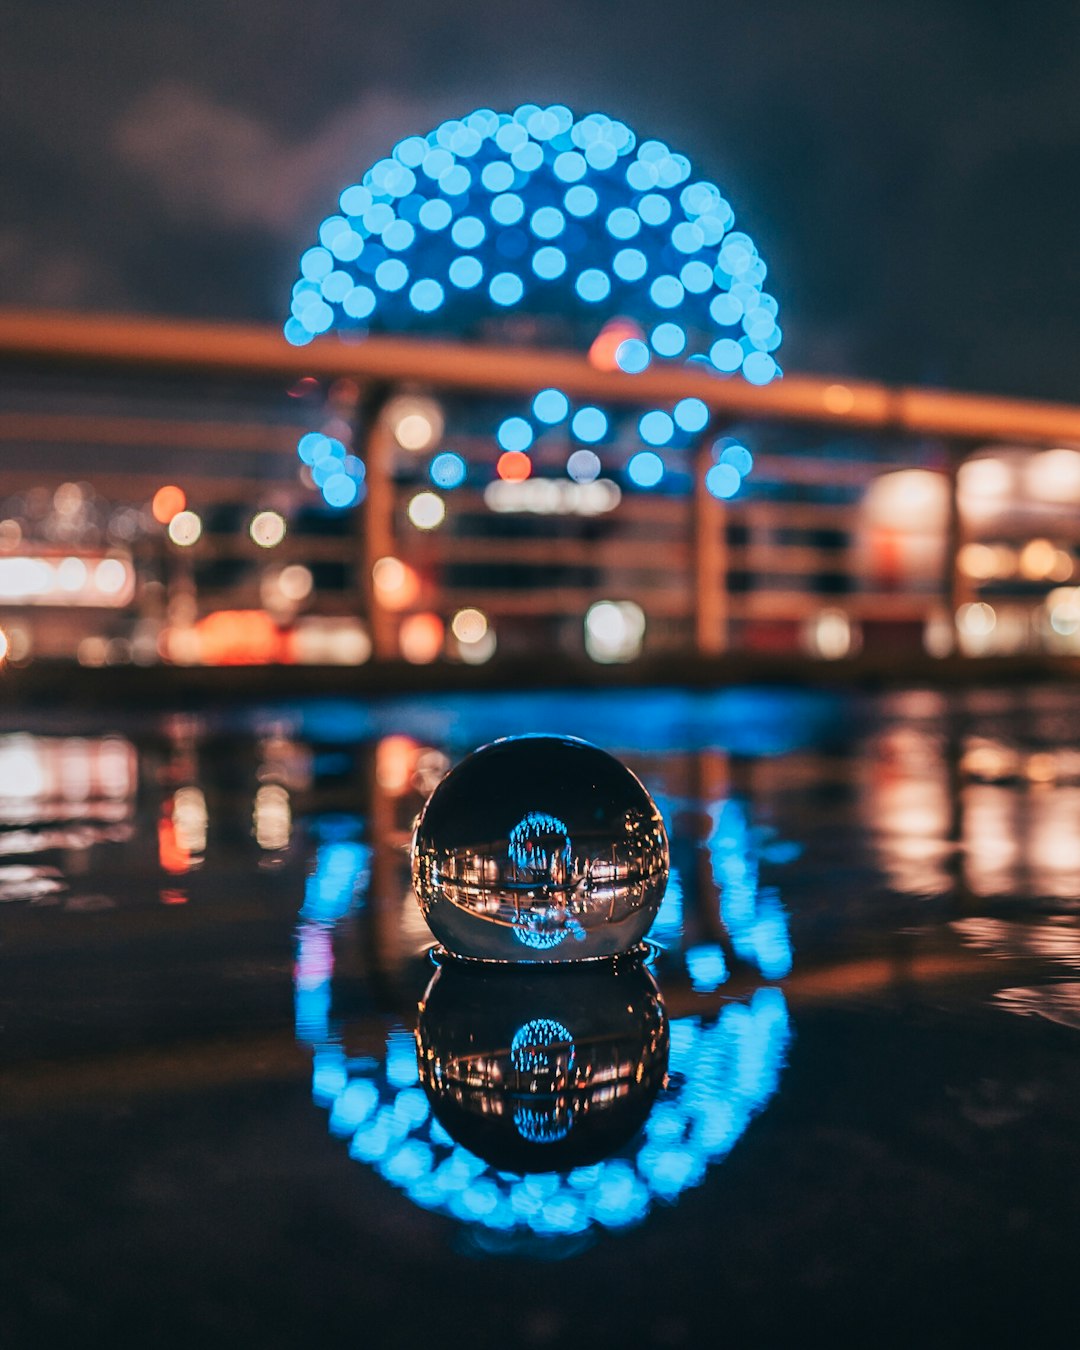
x=910, y=171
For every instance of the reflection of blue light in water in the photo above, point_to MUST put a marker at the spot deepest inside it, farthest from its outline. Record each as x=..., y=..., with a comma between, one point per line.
x=754, y=917
x=340, y=874
x=723, y=1070
x=706, y=967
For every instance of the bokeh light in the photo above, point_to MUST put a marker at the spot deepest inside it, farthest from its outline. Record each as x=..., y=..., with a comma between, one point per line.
x=267, y=529
x=185, y=529
x=167, y=502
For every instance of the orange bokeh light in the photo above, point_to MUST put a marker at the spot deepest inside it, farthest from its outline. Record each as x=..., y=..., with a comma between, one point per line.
x=168, y=501
x=514, y=466
x=421, y=638
x=395, y=760
x=240, y=637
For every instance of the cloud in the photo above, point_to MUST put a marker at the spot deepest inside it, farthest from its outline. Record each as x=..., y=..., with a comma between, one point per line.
x=215, y=164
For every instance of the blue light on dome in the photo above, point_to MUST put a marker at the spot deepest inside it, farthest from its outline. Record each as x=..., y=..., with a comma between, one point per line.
x=687, y=237
x=550, y=406
x=725, y=309
x=589, y=424
x=456, y=181
x=668, y=339
x=691, y=415
x=398, y=236
x=547, y=222
x=723, y=481
x=632, y=355
x=667, y=292
x=467, y=272
x=447, y=470
x=514, y=433
x=355, y=200
x=593, y=285
x=317, y=317
x=549, y=263
x=336, y=286
x=623, y=223
x=359, y=303
x=645, y=469
x=656, y=427
x=696, y=276
x=527, y=158
x=507, y=208
x=581, y=200
x=630, y=264
x=654, y=209
x=316, y=263
x=573, y=219
x=436, y=214
x=569, y=166
x=468, y=232
x=726, y=355
x=507, y=289
x=498, y=176
x=296, y=333
x=759, y=367
x=426, y=295
x=391, y=275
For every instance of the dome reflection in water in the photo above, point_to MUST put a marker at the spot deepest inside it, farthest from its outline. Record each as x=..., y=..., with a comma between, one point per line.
x=542, y=1070
x=539, y=849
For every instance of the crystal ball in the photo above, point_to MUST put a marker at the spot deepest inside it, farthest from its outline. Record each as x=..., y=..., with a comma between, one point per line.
x=542, y=1069
x=539, y=849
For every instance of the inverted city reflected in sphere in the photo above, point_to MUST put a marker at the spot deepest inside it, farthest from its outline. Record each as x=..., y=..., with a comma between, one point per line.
x=545, y=1069
x=539, y=848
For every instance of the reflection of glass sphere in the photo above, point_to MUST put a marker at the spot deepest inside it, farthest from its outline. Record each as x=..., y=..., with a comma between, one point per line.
x=542, y=1071
x=539, y=848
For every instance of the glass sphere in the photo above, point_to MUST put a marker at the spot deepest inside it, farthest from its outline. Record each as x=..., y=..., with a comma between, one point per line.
x=543, y=1070
x=539, y=849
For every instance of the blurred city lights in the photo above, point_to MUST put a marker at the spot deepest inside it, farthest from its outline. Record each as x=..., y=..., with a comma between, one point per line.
x=584, y=466
x=469, y=625
x=396, y=584
x=295, y=582
x=185, y=529
x=426, y=510
x=167, y=502
x=5, y=646
x=614, y=631
x=421, y=638
x=267, y=529
x=416, y=423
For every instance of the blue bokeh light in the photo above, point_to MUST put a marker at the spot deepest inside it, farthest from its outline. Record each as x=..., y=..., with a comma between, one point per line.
x=550, y=406
x=691, y=415
x=514, y=433
x=632, y=355
x=447, y=470
x=645, y=469
x=668, y=339
x=589, y=424
x=723, y=481
x=656, y=427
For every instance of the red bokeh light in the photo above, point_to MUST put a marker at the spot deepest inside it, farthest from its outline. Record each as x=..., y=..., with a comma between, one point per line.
x=168, y=501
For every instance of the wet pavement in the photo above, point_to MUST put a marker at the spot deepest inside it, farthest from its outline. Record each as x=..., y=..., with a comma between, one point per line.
x=843, y=1101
